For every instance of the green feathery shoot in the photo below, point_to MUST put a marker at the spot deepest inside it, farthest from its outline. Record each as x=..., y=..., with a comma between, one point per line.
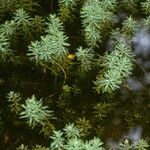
x=85, y=57
x=52, y=47
x=71, y=131
x=109, y=4
x=22, y=19
x=54, y=25
x=139, y=145
x=70, y=140
x=117, y=66
x=94, y=144
x=58, y=140
x=129, y=26
x=74, y=144
x=8, y=28
x=35, y=112
x=95, y=20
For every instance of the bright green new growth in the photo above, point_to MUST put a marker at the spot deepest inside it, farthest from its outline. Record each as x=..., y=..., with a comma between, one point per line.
x=22, y=19
x=58, y=140
x=8, y=28
x=71, y=131
x=70, y=140
x=129, y=26
x=117, y=67
x=53, y=47
x=139, y=145
x=94, y=144
x=85, y=57
x=96, y=17
x=35, y=112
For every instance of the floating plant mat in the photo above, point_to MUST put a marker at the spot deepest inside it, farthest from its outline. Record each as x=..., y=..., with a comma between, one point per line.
x=74, y=75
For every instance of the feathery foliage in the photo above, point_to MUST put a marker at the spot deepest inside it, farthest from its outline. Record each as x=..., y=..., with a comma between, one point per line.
x=85, y=57
x=58, y=140
x=71, y=131
x=96, y=17
x=35, y=112
x=53, y=47
x=140, y=145
x=86, y=41
x=70, y=140
x=117, y=66
x=22, y=19
x=8, y=28
x=129, y=26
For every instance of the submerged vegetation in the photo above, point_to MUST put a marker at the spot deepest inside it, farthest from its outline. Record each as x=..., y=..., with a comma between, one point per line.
x=74, y=74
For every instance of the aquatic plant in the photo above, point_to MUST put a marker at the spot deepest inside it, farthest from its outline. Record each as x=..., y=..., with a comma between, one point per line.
x=96, y=18
x=8, y=28
x=71, y=131
x=52, y=48
x=85, y=59
x=140, y=145
x=118, y=65
x=70, y=140
x=129, y=26
x=35, y=112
